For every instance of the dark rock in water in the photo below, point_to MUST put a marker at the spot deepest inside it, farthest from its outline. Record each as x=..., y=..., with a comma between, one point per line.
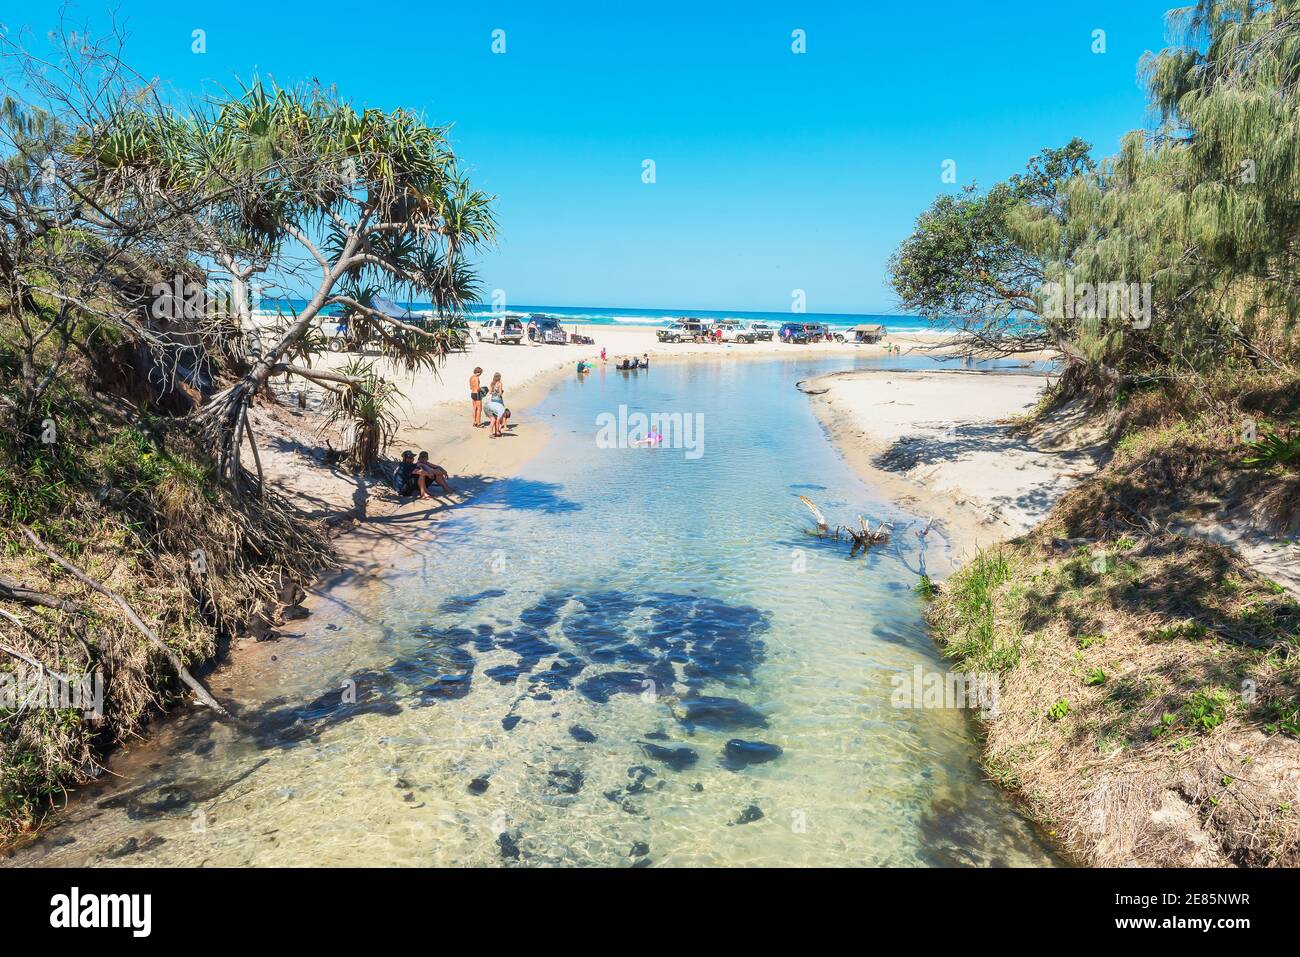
x=564, y=781
x=287, y=726
x=509, y=849
x=751, y=813
x=478, y=785
x=506, y=674
x=599, y=688
x=132, y=846
x=720, y=713
x=697, y=786
x=641, y=862
x=640, y=849
x=509, y=721
x=545, y=613
x=639, y=774
x=294, y=613
x=560, y=676
x=657, y=735
x=579, y=733
x=446, y=688
x=676, y=758
x=740, y=754
x=465, y=602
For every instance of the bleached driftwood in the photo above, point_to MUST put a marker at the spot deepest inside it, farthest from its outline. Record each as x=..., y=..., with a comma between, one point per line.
x=862, y=537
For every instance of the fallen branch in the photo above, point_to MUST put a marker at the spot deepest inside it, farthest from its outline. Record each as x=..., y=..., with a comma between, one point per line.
x=184, y=673
x=12, y=591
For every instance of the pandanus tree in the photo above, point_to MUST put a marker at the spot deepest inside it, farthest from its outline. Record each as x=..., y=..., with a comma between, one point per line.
x=365, y=198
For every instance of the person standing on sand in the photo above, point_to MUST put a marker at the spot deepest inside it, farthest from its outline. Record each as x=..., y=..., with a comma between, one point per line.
x=476, y=396
x=496, y=405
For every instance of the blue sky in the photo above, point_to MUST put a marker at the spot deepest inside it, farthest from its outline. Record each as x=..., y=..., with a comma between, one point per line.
x=775, y=171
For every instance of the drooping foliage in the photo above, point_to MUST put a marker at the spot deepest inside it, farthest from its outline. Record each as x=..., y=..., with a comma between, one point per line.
x=1180, y=252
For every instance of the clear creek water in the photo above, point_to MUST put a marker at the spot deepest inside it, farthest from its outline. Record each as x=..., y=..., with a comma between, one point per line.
x=555, y=678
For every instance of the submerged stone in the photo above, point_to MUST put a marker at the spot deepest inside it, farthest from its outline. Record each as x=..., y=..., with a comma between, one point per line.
x=478, y=786
x=719, y=713
x=579, y=733
x=739, y=753
x=600, y=687
x=509, y=849
x=676, y=758
x=464, y=602
x=565, y=781
x=751, y=813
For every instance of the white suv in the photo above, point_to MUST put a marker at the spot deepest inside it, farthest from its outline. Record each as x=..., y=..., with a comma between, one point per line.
x=500, y=329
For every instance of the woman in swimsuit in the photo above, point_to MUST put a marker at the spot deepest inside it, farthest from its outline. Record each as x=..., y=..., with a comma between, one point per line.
x=496, y=405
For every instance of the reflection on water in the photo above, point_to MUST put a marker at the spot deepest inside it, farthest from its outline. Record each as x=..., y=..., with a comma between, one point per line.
x=624, y=657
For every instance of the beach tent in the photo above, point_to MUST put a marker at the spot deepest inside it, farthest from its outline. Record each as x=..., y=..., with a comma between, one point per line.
x=391, y=309
x=871, y=333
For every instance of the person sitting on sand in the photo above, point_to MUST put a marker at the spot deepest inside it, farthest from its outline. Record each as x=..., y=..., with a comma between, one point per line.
x=496, y=405
x=645, y=360
x=409, y=478
x=583, y=367
x=427, y=470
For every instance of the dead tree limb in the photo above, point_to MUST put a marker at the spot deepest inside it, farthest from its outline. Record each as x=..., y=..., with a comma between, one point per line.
x=11, y=590
x=184, y=673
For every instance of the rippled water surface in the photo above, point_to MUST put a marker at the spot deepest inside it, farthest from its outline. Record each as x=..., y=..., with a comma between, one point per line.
x=556, y=676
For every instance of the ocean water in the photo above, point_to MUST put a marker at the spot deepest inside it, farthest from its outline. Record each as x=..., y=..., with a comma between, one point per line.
x=560, y=675
x=617, y=315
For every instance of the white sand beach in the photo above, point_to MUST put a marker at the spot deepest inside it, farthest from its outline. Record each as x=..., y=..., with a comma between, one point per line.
x=934, y=442
x=519, y=365
x=943, y=444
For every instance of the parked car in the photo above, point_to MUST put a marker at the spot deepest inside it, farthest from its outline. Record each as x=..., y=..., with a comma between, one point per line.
x=820, y=332
x=546, y=329
x=500, y=329
x=795, y=332
x=335, y=332
x=759, y=331
x=732, y=331
x=684, y=330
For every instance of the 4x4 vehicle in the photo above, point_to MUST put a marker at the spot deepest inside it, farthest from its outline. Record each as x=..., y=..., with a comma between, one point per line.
x=732, y=330
x=795, y=332
x=759, y=331
x=500, y=329
x=546, y=329
x=684, y=330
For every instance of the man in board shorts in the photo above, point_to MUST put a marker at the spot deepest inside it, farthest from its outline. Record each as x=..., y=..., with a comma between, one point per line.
x=476, y=396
